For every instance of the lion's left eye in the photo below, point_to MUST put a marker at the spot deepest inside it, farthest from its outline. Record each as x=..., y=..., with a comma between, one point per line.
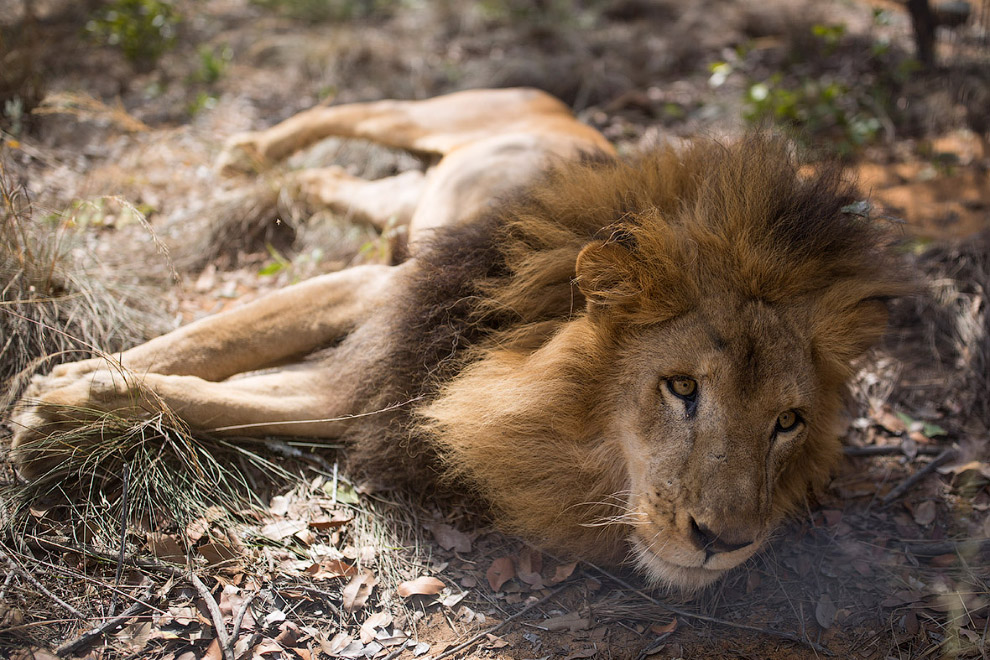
x=787, y=420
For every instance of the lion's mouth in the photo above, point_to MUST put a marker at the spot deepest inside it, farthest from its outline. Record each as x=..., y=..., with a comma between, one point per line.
x=667, y=573
x=672, y=571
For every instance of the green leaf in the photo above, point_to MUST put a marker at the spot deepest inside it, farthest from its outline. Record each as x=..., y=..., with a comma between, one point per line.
x=272, y=268
x=345, y=493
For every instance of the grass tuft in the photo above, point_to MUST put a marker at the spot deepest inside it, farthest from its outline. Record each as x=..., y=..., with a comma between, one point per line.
x=150, y=472
x=56, y=302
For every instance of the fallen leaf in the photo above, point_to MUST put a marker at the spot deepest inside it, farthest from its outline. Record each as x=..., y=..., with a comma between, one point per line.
x=562, y=572
x=325, y=522
x=944, y=561
x=376, y=620
x=495, y=642
x=422, y=648
x=275, y=616
x=832, y=517
x=449, y=538
x=183, y=615
x=453, y=599
x=500, y=572
x=353, y=650
x=288, y=634
x=356, y=593
x=893, y=423
x=924, y=513
x=910, y=623
x=166, y=546
x=197, y=529
x=331, y=568
x=279, y=505
x=862, y=567
x=217, y=552
x=665, y=629
x=530, y=561
x=571, y=621
x=421, y=586
x=280, y=529
x=534, y=580
x=213, y=651
x=135, y=636
x=825, y=611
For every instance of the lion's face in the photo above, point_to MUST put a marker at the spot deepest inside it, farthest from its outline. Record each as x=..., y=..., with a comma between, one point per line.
x=710, y=408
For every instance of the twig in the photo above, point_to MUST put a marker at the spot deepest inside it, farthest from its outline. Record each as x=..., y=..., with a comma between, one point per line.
x=936, y=548
x=903, y=487
x=40, y=587
x=710, y=619
x=8, y=579
x=886, y=450
x=223, y=639
x=135, y=608
x=319, y=592
x=483, y=633
x=123, y=537
x=239, y=617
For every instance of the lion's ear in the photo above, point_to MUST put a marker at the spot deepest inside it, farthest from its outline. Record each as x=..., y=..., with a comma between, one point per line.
x=605, y=274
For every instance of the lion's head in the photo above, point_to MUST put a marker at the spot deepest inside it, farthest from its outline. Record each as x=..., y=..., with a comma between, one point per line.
x=669, y=386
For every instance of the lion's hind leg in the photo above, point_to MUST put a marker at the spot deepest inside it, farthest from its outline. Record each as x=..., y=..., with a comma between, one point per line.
x=431, y=126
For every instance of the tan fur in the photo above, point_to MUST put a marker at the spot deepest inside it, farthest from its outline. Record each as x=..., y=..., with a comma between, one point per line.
x=529, y=346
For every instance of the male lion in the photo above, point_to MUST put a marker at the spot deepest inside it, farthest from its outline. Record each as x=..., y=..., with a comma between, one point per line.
x=638, y=358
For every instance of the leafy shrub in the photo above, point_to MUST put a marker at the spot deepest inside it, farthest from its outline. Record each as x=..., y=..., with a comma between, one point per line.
x=805, y=96
x=328, y=10
x=143, y=30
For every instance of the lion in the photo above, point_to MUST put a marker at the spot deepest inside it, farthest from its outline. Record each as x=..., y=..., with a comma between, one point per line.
x=625, y=360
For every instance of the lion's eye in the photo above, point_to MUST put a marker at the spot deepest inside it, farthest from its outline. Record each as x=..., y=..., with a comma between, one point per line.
x=682, y=386
x=787, y=420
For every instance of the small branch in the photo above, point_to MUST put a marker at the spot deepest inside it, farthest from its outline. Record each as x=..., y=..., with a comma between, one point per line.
x=908, y=483
x=72, y=646
x=721, y=622
x=40, y=587
x=223, y=639
x=886, y=450
x=123, y=538
x=936, y=548
x=239, y=616
x=476, y=638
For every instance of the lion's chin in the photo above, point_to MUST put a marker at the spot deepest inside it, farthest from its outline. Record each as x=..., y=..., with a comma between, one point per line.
x=662, y=573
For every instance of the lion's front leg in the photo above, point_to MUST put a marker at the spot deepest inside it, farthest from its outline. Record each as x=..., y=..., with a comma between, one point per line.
x=309, y=399
x=194, y=371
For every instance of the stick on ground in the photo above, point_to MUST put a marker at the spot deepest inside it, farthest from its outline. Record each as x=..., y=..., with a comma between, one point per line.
x=905, y=485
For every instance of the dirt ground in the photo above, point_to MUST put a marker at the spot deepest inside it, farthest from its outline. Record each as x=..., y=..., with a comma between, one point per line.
x=892, y=561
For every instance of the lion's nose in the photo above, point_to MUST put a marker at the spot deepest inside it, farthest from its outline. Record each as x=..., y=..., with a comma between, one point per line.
x=709, y=541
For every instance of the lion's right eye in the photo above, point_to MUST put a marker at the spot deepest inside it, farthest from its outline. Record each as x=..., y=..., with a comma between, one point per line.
x=683, y=387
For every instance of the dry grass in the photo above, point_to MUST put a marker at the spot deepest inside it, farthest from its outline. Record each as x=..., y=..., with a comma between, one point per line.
x=56, y=302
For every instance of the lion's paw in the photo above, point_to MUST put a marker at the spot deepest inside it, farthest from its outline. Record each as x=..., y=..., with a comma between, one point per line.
x=68, y=398
x=242, y=154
